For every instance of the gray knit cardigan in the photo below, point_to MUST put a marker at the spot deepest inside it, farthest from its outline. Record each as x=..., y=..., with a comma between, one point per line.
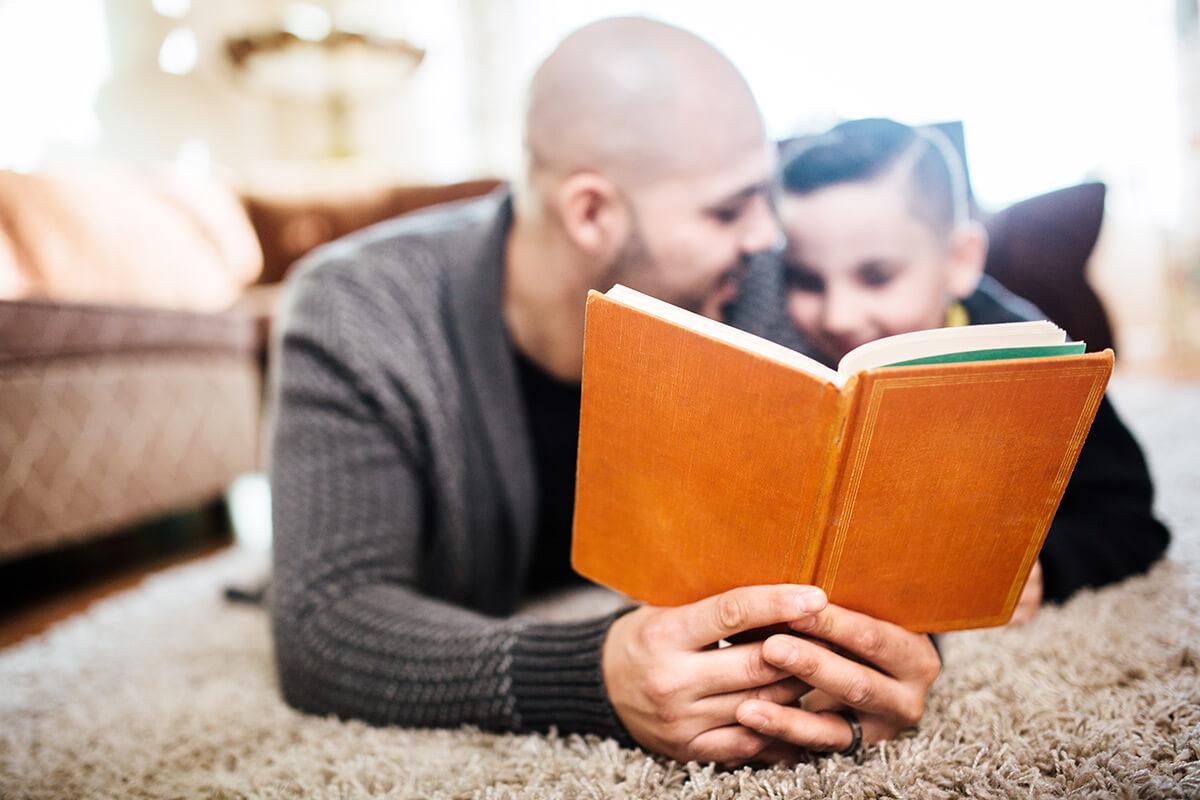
x=404, y=492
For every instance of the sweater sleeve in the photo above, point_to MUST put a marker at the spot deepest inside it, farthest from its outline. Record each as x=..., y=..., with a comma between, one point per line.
x=1105, y=528
x=354, y=635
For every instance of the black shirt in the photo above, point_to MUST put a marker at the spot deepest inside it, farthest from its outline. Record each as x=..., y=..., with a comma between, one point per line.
x=552, y=410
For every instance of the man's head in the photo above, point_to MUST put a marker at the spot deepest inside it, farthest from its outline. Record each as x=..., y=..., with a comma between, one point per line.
x=646, y=154
x=879, y=239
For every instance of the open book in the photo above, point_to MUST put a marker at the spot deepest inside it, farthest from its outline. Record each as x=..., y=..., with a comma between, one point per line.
x=915, y=483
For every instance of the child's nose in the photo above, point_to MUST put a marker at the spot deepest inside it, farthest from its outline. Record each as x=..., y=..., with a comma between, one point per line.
x=842, y=313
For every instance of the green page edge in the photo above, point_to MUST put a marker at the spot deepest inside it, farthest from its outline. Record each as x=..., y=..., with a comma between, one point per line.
x=997, y=354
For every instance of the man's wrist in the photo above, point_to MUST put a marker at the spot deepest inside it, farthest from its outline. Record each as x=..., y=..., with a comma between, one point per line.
x=557, y=679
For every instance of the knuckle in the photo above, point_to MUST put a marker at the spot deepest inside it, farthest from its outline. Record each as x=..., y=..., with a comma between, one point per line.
x=807, y=665
x=822, y=625
x=782, y=605
x=666, y=715
x=652, y=632
x=931, y=666
x=731, y=612
x=871, y=643
x=859, y=691
x=757, y=669
x=662, y=684
x=913, y=712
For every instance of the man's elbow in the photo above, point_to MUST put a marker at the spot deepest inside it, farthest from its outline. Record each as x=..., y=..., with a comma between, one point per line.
x=298, y=674
x=312, y=680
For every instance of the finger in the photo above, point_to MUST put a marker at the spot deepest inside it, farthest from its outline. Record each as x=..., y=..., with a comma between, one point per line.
x=820, y=700
x=900, y=653
x=732, y=669
x=1020, y=616
x=1024, y=612
x=856, y=685
x=823, y=731
x=747, y=607
x=730, y=744
x=1031, y=591
x=1037, y=582
x=758, y=634
x=721, y=709
x=779, y=753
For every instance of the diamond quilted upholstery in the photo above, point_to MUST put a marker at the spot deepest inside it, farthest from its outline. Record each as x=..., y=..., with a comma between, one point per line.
x=110, y=415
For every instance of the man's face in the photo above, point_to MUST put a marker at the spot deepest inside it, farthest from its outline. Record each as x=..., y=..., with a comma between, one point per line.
x=859, y=266
x=692, y=232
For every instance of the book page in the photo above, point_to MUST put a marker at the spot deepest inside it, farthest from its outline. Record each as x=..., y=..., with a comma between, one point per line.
x=940, y=341
x=724, y=333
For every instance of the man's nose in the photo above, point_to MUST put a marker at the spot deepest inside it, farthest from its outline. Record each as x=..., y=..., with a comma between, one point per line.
x=762, y=231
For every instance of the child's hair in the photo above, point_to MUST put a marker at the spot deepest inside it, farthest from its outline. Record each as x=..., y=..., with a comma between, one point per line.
x=865, y=149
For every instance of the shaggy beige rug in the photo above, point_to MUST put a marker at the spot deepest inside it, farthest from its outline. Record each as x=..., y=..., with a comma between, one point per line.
x=167, y=691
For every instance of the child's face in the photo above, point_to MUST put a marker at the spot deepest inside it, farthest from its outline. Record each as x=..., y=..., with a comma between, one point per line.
x=860, y=266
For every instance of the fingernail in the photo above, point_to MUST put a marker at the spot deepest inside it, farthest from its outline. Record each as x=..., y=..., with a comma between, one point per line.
x=754, y=720
x=779, y=653
x=803, y=624
x=809, y=600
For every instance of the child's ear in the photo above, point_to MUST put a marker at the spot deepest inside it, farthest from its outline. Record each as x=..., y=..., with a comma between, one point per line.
x=968, y=252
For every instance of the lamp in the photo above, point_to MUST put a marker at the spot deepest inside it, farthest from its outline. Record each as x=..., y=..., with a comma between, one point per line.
x=308, y=59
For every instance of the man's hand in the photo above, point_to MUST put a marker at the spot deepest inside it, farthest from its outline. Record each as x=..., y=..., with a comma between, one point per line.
x=1031, y=597
x=677, y=694
x=884, y=675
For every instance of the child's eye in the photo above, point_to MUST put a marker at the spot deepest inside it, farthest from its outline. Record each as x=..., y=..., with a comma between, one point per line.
x=802, y=279
x=875, y=275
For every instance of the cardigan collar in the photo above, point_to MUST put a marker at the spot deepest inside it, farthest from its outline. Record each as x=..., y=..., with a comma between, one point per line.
x=476, y=284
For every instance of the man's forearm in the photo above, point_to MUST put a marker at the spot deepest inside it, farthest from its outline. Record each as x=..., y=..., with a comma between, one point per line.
x=390, y=656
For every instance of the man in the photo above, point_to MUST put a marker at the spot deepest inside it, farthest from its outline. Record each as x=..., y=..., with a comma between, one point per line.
x=423, y=453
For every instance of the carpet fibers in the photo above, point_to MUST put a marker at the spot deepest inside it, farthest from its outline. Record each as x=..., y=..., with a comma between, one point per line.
x=168, y=691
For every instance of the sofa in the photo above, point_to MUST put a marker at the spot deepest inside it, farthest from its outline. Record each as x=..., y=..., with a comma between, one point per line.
x=135, y=312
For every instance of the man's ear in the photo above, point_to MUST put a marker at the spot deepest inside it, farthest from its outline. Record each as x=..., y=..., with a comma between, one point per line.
x=968, y=253
x=594, y=214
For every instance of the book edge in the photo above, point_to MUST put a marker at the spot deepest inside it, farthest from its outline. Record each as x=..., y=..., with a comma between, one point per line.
x=875, y=354
x=717, y=331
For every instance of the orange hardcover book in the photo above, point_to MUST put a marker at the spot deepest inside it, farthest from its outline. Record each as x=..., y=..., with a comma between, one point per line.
x=915, y=483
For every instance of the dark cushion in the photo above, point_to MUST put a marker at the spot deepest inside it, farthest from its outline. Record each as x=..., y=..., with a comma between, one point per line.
x=1040, y=249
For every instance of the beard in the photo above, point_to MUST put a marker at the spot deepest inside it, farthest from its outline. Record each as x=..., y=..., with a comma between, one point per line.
x=634, y=266
x=633, y=260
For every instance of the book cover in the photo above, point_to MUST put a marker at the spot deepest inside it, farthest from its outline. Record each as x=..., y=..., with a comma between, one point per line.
x=919, y=494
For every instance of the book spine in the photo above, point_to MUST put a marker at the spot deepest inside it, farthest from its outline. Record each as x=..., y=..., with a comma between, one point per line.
x=827, y=525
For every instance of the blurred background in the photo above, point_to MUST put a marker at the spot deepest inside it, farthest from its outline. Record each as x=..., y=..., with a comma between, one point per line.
x=325, y=96
x=164, y=162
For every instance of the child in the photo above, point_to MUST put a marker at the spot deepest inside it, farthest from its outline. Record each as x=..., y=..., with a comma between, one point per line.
x=879, y=242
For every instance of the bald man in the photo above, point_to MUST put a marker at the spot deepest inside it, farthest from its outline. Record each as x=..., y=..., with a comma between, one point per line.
x=424, y=444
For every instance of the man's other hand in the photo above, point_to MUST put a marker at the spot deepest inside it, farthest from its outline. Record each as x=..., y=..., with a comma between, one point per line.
x=678, y=695
x=1031, y=597
x=851, y=660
